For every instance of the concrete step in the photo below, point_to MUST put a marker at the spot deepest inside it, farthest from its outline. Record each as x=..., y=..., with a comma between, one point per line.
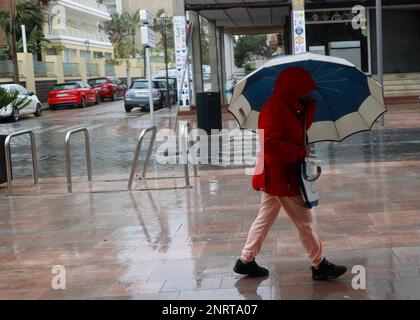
x=403, y=93
x=402, y=87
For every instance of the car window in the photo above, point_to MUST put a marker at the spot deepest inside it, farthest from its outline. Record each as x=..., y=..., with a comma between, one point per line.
x=22, y=90
x=65, y=86
x=114, y=80
x=12, y=89
x=142, y=85
x=160, y=84
x=97, y=81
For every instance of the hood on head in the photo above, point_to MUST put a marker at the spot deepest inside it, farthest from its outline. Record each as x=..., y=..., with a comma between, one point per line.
x=293, y=84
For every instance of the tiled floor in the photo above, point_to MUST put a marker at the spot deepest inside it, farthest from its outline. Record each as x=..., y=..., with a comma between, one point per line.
x=182, y=243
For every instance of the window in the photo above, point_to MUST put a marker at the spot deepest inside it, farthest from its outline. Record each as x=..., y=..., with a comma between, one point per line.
x=23, y=90
x=140, y=85
x=65, y=86
x=115, y=80
x=69, y=55
x=97, y=81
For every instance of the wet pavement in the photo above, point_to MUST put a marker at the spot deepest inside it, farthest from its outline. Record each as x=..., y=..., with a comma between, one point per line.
x=181, y=243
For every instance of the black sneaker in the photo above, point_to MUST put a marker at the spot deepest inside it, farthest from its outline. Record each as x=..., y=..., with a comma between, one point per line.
x=251, y=269
x=327, y=271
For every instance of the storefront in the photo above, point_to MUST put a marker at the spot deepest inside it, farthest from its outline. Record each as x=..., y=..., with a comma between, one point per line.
x=329, y=30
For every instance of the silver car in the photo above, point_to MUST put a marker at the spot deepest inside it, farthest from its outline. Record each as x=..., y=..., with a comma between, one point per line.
x=137, y=96
x=31, y=104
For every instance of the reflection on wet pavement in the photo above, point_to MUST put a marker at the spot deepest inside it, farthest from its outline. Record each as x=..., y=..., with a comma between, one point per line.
x=182, y=243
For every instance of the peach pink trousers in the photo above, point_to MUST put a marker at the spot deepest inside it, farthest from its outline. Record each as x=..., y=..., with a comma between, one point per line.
x=297, y=212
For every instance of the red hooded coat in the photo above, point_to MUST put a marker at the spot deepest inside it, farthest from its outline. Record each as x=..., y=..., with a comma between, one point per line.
x=282, y=121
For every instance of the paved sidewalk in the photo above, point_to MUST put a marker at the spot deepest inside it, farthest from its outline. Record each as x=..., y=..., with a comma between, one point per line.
x=182, y=243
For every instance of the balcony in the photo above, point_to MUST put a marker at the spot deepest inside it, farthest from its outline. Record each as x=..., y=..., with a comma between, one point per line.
x=84, y=8
x=79, y=37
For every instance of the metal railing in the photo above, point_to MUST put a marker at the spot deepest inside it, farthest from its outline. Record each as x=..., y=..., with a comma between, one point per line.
x=109, y=70
x=43, y=69
x=92, y=69
x=6, y=68
x=137, y=155
x=185, y=129
x=80, y=34
x=9, y=162
x=68, y=158
x=70, y=69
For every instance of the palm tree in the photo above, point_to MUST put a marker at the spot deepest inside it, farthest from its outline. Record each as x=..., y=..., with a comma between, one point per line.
x=32, y=16
x=133, y=23
x=117, y=27
x=12, y=98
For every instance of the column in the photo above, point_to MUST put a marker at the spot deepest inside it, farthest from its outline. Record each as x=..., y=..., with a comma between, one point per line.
x=27, y=64
x=229, y=55
x=197, y=66
x=221, y=64
x=213, y=56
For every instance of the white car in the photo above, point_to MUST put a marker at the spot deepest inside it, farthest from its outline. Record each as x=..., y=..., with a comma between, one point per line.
x=33, y=107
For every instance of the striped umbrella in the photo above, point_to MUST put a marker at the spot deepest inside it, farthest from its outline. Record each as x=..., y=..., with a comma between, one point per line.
x=348, y=101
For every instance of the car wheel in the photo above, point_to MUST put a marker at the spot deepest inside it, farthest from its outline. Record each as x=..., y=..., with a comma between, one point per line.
x=38, y=111
x=127, y=108
x=53, y=107
x=15, y=115
x=83, y=103
x=98, y=99
x=114, y=96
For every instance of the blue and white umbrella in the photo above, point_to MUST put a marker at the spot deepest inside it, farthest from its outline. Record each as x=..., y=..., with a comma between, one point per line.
x=348, y=101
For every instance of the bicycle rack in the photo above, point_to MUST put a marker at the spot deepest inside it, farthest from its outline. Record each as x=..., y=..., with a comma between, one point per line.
x=183, y=145
x=137, y=154
x=9, y=163
x=68, y=159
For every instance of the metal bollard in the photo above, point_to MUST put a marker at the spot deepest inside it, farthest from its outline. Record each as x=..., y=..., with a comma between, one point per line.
x=68, y=157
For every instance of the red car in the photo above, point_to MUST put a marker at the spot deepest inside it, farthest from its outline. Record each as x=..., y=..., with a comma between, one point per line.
x=77, y=94
x=109, y=87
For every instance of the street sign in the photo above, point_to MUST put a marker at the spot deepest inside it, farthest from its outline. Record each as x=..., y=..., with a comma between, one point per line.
x=147, y=36
x=146, y=17
x=298, y=25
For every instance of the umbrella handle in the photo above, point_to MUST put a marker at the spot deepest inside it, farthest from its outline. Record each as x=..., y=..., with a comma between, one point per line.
x=314, y=177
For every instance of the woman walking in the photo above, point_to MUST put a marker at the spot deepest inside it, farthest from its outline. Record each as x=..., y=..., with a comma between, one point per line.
x=282, y=122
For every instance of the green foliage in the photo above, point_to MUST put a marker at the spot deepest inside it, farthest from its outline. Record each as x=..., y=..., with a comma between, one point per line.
x=248, y=46
x=8, y=97
x=122, y=48
x=248, y=68
x=30, y=14
x=122, y=29
x=117, y=27
x=113, y=62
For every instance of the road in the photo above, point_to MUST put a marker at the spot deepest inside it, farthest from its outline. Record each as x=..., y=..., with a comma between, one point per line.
x=113, y=134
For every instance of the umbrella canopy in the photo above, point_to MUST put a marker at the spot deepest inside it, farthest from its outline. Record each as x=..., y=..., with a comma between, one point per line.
x=348, y=101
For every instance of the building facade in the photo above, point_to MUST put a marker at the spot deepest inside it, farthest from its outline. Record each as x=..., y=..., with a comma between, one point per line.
x=76, y=28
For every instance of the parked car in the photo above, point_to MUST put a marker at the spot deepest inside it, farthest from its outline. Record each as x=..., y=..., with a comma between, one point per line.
x=138, y=95
x=74, y=94
x=108, y=87
x=173, y=86
x=26, y=102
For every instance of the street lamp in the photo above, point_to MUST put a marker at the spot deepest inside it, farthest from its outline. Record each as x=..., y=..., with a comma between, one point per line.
x=164, y=18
